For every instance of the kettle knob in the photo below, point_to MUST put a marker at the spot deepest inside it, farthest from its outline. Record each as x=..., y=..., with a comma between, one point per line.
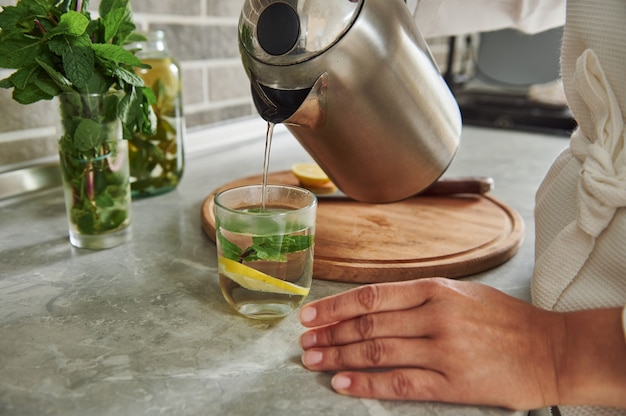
x=278, y=29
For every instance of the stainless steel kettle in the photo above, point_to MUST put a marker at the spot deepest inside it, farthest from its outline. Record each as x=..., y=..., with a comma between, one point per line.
x=355, y=83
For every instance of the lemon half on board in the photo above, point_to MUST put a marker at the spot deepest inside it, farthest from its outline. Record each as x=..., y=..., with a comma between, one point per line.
x=310, y=174
x=252, y=279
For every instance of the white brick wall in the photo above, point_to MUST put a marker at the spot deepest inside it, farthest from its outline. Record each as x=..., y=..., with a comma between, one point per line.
x=202, y=34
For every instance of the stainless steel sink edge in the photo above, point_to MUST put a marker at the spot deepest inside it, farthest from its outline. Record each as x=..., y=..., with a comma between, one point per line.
x=17, y=182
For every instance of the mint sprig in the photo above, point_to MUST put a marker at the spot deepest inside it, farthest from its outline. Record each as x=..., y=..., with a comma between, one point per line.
x=269, y=248
x=55, y=46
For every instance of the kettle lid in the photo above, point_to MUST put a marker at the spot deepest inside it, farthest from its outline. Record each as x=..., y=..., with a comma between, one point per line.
x=284, y=32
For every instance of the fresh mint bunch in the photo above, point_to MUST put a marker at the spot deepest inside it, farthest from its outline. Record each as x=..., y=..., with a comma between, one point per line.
x=55, y=46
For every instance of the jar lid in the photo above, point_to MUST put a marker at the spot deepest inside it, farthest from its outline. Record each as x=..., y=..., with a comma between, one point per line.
x=285, y=32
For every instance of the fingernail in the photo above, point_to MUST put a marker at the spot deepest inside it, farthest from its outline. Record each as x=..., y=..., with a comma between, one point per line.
x=308, y=340
x=340, y=382
x=312, y=357
x=307, y=314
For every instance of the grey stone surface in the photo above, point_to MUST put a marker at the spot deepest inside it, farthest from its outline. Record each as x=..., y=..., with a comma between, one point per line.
x=143, y=328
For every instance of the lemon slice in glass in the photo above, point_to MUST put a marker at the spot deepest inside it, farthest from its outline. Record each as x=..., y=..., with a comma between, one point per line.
x=310, y=174
x=252, y=279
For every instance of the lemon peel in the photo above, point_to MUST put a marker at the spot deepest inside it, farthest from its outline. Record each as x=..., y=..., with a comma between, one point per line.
x=252, y=279
x=310, y=174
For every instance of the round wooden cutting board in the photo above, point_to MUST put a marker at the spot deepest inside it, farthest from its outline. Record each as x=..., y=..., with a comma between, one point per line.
x=423, y=236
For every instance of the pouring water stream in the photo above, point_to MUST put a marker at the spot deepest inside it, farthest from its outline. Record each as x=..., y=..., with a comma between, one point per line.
x=269, y=134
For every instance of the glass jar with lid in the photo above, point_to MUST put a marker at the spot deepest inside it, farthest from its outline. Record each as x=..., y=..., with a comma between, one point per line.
x=157, y=162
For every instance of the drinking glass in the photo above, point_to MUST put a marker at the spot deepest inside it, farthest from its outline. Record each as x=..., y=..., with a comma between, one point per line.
x=265, y=239
x=94, y=169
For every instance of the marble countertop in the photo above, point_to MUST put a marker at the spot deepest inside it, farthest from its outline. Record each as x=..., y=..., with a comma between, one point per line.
x=143, y=329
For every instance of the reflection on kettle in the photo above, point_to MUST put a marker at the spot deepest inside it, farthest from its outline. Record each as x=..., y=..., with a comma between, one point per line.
x=355, y=83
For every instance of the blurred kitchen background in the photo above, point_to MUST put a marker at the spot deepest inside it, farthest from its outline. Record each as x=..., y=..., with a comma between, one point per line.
x=202, y=35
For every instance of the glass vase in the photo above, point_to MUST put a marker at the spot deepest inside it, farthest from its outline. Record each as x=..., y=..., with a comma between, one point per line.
x=95, y=170
x=157, y=162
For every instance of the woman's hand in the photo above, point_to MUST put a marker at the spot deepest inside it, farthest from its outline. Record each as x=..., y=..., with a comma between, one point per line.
x=436, y=340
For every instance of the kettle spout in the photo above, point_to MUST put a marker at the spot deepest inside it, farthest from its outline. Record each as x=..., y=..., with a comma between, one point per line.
x=312, y=111
x=303, y=107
